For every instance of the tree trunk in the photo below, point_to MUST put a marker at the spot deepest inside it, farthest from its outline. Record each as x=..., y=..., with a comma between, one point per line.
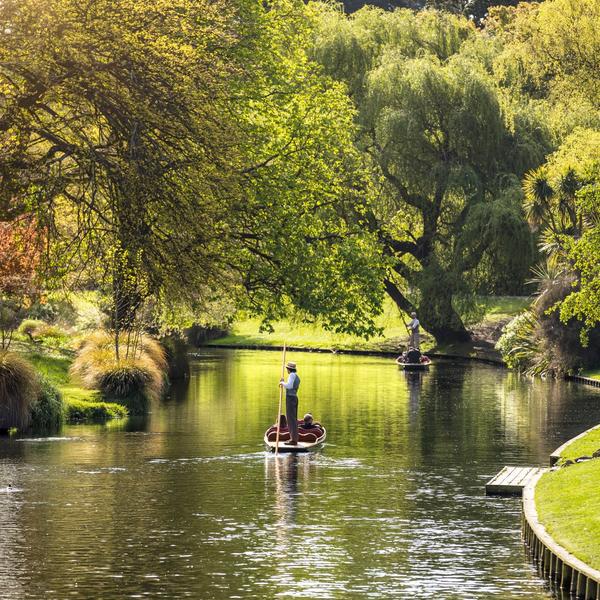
x=436, y=315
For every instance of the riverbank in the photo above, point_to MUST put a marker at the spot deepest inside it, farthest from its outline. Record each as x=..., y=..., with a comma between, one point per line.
x=494, y=314
x=567, y=509
x=80, y=404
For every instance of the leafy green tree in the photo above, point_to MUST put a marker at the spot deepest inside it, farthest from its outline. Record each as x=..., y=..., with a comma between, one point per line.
x=578, y=162
x=584, y=302
x=561, y=200
x=446, y=153
x=551, y=52
x=180, y=151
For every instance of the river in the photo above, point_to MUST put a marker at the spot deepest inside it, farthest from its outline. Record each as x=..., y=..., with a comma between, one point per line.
x=186, y=504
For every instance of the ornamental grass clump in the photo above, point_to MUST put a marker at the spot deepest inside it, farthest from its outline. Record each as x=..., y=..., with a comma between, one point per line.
x=135, y=379
x=19, y=388
x=48, y=410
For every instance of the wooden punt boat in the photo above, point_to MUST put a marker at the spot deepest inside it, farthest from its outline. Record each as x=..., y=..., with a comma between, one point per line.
x=309, y=439
x=420, y=366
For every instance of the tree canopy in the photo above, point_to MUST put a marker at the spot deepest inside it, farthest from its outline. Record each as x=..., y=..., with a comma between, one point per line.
x=206, y=155
x=446, y=150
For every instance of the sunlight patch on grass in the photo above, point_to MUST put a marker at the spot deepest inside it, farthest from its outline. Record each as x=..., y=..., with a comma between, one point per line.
x=568, y=505
x=245, y=332
x=584, y=446
x=591, y=373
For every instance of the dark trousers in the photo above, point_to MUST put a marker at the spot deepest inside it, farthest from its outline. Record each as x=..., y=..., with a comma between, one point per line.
x=291, y=412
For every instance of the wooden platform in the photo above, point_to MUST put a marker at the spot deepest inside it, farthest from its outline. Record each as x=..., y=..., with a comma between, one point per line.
x=511, y=481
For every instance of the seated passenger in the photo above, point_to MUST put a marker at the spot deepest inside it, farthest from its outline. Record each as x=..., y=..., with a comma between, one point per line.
x=413, y=356
x=401, y=359
x=308, y=422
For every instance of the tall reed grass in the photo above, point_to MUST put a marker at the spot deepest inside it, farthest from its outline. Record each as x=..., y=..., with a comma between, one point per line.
x=135, y=379
x=19, y=389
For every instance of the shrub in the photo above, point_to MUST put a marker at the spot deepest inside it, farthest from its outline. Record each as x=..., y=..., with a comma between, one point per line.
x=47, y=411
x=37, y=330
x=176, y=352
x=30, y=328
x=77, y=411
x=43, y=311
x=135, y=380
x=52, y=335
x=19, y=388
x=521, y=345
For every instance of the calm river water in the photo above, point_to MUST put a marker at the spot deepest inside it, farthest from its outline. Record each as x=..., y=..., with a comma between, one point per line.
x=186, y=504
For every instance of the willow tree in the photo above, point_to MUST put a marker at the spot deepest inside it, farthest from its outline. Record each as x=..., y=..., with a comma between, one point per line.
x=445, y=153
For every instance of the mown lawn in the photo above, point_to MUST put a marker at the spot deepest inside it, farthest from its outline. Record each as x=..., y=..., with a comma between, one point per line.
x=584, y=446
x=80, y=404
x=391, y=321
x=591, y=373
x=568, y=505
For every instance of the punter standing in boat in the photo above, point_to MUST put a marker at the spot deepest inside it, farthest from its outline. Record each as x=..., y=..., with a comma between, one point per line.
x=291, y=401
x=413, y=327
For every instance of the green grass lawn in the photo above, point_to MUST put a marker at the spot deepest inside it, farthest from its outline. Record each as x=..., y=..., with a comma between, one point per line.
x=246, y=331
x=568, y=505
x=584, y=446
x=591, y=373
x=497, y=308
x=80, y=404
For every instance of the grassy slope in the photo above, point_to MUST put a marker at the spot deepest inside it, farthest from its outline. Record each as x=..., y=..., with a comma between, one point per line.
x=592, y=373
x=568, y=505
x=246, y=332
x=81, y=404
x=584, y=446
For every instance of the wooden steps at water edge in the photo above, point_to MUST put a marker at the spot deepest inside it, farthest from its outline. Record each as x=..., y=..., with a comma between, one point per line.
x=511, y=481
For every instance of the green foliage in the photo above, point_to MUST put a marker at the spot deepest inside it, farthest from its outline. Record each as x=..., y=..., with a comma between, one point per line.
x=136, y=379
x=79, y=405
x=18, y=391
x=446, y=150
x=237, y=189
x=81, y=411
x=519, y=344
x=551, y=53
x=562, y=198
x=47, y=411
x=584, y=302
x=30, y=327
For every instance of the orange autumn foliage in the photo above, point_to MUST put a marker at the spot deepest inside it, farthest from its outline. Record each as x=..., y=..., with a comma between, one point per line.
x=20, y=252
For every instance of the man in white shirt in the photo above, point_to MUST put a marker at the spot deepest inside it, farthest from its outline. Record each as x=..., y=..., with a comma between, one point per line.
x=291, y=401
x=413, y=329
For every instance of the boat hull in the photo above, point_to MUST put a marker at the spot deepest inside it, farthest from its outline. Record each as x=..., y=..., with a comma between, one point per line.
x=414, y=366
x=301, y=447
x=422, y=366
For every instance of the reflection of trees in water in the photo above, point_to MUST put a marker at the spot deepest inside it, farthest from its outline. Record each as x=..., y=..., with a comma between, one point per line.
x=537, y=411
x=414, y=382
x=478, y=411
x=12, y=566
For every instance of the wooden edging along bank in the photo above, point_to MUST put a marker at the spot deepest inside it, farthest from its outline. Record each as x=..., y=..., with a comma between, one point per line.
x=554, y=562
x=584, y=380
x=386, y=353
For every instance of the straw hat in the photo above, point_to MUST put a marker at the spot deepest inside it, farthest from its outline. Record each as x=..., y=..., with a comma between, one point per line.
x=290, y=365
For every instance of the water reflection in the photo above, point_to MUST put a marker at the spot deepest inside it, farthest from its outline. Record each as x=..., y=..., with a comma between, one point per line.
x=185, y=504
x=414, y=381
